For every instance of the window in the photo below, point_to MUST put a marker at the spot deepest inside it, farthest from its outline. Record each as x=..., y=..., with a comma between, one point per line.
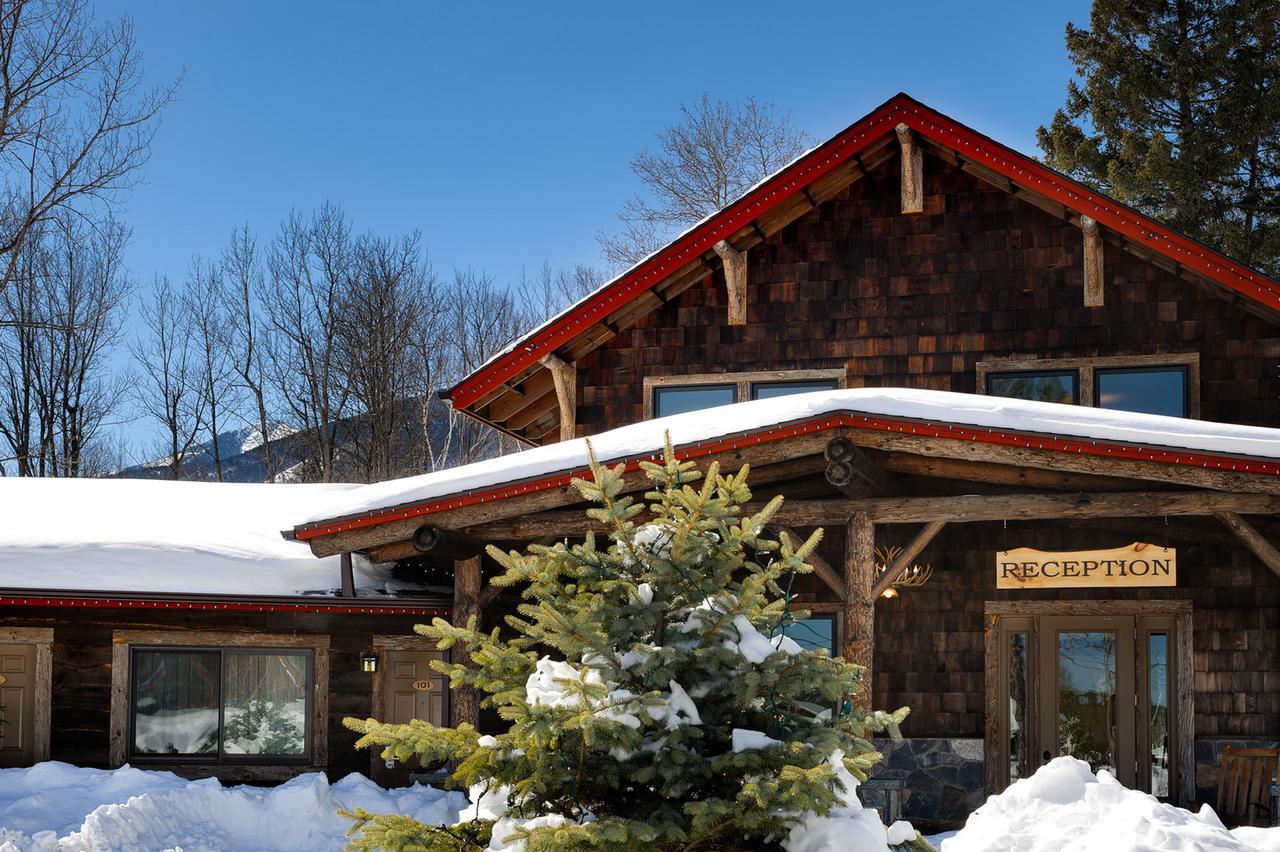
x=770, y=390
x=231, y=704
x=678, y=400
x=1055, y=386
x=813, y=633
x=667, y=395
x=1148, y=384
x=1148, y=390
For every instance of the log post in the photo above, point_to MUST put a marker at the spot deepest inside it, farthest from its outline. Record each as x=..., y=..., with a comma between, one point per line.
x=348, y=576
x=859, y=603
x=464, y=701
x=912, y=170
x=735, y=279
x=1092, y=262
x=565, y=377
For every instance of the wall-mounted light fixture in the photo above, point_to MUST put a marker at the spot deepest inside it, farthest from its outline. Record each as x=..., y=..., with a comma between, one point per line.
x=915, y=574
x=369, y=663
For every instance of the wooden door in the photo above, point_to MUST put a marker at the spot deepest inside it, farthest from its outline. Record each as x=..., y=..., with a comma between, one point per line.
x=17, y=704
x=410, y=689
x=1087, y=682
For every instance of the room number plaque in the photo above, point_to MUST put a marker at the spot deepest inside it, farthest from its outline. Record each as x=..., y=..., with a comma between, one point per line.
x=422, y=685
x=1137, y=564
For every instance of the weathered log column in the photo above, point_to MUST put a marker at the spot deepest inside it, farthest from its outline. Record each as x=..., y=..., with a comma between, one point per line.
x=464, y=702
x=859, y=601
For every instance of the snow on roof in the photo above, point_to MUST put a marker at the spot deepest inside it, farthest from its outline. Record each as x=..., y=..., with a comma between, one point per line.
x=131, y=535
x=647, y=437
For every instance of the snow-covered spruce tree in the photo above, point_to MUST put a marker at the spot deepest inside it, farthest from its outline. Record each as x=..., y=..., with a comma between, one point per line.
x=652, y=699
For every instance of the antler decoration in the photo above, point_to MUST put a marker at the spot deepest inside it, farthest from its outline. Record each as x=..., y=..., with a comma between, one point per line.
x=915, y=574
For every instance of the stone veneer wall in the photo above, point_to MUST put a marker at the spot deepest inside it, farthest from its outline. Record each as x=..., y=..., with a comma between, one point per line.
x=943, y=776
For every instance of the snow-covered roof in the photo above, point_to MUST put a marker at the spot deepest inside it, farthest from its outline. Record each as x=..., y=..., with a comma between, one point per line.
x=927, y=406
x=129, y=535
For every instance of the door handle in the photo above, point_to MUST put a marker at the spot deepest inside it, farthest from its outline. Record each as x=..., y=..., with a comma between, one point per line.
x=1047, y=757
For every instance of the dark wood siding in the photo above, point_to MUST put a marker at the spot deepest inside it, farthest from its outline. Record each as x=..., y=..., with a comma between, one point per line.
x=929, y=640
x=918, y=301
x=82, y=673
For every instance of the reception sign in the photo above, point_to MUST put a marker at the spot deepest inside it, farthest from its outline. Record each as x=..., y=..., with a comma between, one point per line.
x=1135, y=565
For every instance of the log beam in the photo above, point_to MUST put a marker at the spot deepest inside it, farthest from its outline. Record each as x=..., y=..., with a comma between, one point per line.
x=464, y=701
x=915, y=510
x=1093, y=297
x=912, y=170
x=1252, y=539
x=848, y=466
x=565, y=377
x=820, y=566
x=735, y=280
x=908, y=554
x=858, y=645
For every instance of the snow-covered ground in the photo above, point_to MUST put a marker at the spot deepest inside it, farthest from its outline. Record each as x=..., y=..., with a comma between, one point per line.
x=56, y=806
x=1064, y=807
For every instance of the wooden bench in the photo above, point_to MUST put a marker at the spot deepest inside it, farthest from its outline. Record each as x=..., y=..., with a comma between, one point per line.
x=1247, y=792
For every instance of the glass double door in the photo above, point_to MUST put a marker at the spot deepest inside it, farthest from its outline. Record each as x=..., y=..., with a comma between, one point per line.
x=1087, y=666
x=1096, y=688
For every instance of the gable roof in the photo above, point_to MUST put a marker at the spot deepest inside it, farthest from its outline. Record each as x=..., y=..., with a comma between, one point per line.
x=1250, y=451
x=798, y=188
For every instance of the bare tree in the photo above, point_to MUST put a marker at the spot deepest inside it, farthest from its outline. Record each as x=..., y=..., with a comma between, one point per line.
x=378, y=327
x=67, y=299
x=249, y=336
x=310, y=265
x=204, y=303
x=169, y=390
x=714, y=154
x=553, y=290
x=75, y=121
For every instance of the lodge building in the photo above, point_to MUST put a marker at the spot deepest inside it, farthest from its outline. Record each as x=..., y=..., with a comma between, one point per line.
x=1040, y=430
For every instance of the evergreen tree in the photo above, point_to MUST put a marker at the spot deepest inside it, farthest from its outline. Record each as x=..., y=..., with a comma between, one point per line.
x=653, y=701
x=1177, y=112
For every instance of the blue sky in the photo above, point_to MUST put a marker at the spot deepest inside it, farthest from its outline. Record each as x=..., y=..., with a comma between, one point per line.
x=503, y=131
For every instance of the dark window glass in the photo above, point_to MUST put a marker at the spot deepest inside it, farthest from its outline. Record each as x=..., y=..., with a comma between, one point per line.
x=769, y=390
x=238, y=704
x=265, y=710
x=1019, y=730
x=1157, y=390
x=813, y=633
x=1041, y=386
x=175, y=702
x=1158, y=723
x=678, y=400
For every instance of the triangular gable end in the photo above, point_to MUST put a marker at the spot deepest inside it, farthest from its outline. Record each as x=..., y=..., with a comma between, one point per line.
x=517, y=378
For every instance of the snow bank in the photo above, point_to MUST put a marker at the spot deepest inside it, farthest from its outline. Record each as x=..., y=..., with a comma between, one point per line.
x=154, y=536
x=1064, y=807
x=639, y=439
x=56, y=806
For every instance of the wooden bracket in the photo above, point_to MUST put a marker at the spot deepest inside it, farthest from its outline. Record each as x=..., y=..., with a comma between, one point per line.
x=565, y=376
x=735, y=279
x=820, y=566
x=912, y=170
x=1092, y=262
x=910, y=552
x=1252, y=539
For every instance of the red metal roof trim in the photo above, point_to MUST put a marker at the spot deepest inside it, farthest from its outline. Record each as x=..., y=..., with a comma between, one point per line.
x=236, y=606
x=835, y=420
x=831, y=154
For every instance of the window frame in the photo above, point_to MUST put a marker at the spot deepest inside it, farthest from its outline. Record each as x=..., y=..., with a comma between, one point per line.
x=824, y=615
x=1087, y=368
x=1074, y=373
x=656, y=392
x=743, y=382
x=221, y=757
x=124, y=642
x=1145, y=368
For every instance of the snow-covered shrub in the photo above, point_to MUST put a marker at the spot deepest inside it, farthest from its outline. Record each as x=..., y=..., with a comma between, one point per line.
x=671, y=712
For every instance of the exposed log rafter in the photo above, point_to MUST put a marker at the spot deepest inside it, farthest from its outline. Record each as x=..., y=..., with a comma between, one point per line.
x=735, y=279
